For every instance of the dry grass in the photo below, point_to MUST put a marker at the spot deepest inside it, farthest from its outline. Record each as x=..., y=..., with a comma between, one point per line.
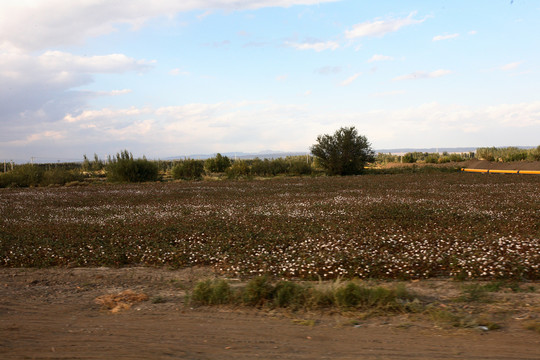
x=120, y=301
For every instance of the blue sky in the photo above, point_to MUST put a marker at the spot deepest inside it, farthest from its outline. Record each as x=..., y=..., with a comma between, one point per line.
x=168, y=78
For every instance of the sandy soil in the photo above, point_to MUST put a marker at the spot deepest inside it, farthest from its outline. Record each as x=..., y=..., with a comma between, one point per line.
x=53, y=314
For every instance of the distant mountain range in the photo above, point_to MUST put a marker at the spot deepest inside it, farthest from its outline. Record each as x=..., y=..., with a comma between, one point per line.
x=273, y=154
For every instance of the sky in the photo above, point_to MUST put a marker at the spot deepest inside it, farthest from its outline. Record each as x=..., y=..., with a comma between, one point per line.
x=167, y=78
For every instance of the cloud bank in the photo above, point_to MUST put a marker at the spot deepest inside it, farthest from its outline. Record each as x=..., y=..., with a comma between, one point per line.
x=251, y=126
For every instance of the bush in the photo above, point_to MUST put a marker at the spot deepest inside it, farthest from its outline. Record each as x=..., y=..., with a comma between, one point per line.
x=188, y=170
x=409, y=158
x=534, y=154
x=238, y=169
x=299, y=165
x=212, y=292
x=353, y=296
x=289, y=294
x=123, y=168
x=33, y=175
x=258, y=291
x=344, y=153
x=217, y=164
x=58, y=176
x=22, y=176
x=261, y=167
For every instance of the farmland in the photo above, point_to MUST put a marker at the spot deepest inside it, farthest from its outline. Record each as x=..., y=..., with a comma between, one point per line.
x=404, y=226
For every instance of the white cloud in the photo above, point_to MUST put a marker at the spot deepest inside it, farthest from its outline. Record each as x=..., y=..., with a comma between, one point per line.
x=423, y=75
x=177, y=71
x=380, y=28
x=445, y=37
x=388, y=93
x=51, y=23
x=317, y=46
x=253, y=126
x=114, y=92
x=349, y=80
x=473, y=32
x=281, y=77
x=378, y=57
x=511, y=66
x=328, y=70
x=32, y=83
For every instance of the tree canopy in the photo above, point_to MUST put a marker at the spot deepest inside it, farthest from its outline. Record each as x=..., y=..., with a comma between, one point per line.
x=344, y=153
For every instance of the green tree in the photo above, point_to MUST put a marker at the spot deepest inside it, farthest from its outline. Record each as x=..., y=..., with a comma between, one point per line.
x=217, y=164
x=344, y=153
x=123, y=168
x=189, y=169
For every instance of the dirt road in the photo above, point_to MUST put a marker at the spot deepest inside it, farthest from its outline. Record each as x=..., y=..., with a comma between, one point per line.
x=52, y=314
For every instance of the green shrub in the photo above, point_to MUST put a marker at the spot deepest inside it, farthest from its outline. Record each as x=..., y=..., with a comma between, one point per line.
x=58, y=176
x=212, y=292
x=409, y=158
x=189, y=169
x=258, y=291
x=123, y=168
x=432, y=159
x=22, y=176
x=299, y=165
x=261, y=167
x=353, y=296
x=289, y=294
x=239, y=168
x=217, y=164
x=534, y=154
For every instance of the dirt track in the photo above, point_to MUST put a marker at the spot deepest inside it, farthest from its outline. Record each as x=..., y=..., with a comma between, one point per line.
x=493, y=165
x=52, y=314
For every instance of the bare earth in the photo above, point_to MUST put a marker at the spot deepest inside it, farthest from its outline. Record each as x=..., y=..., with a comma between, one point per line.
x=53, y=314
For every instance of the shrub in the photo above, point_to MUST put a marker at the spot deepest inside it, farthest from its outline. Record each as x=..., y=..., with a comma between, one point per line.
x=409, y=158
x=258, y=291
x=299, y=165
x=123, y=168
x=353, y=295
x=289, y=294
x=432, y=158
x=261, y=167
x=238, y=169
x=344, y=153
x=217, y=164
x=212, y=292
x=58, y=176
x=22, y=176
x=188, y=169
x=534, y=154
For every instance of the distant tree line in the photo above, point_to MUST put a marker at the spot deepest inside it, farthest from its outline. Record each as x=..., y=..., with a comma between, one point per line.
x=424, y=157
x=343, y=153
x=508, y=154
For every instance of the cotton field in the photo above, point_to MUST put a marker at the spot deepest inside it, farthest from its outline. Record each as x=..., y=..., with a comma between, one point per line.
x=372, y=226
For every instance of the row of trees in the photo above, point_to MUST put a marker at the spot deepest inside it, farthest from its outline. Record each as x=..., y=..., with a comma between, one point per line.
x=428, y=158
x=343, y=153
x=508, y=154
x=32, y=175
